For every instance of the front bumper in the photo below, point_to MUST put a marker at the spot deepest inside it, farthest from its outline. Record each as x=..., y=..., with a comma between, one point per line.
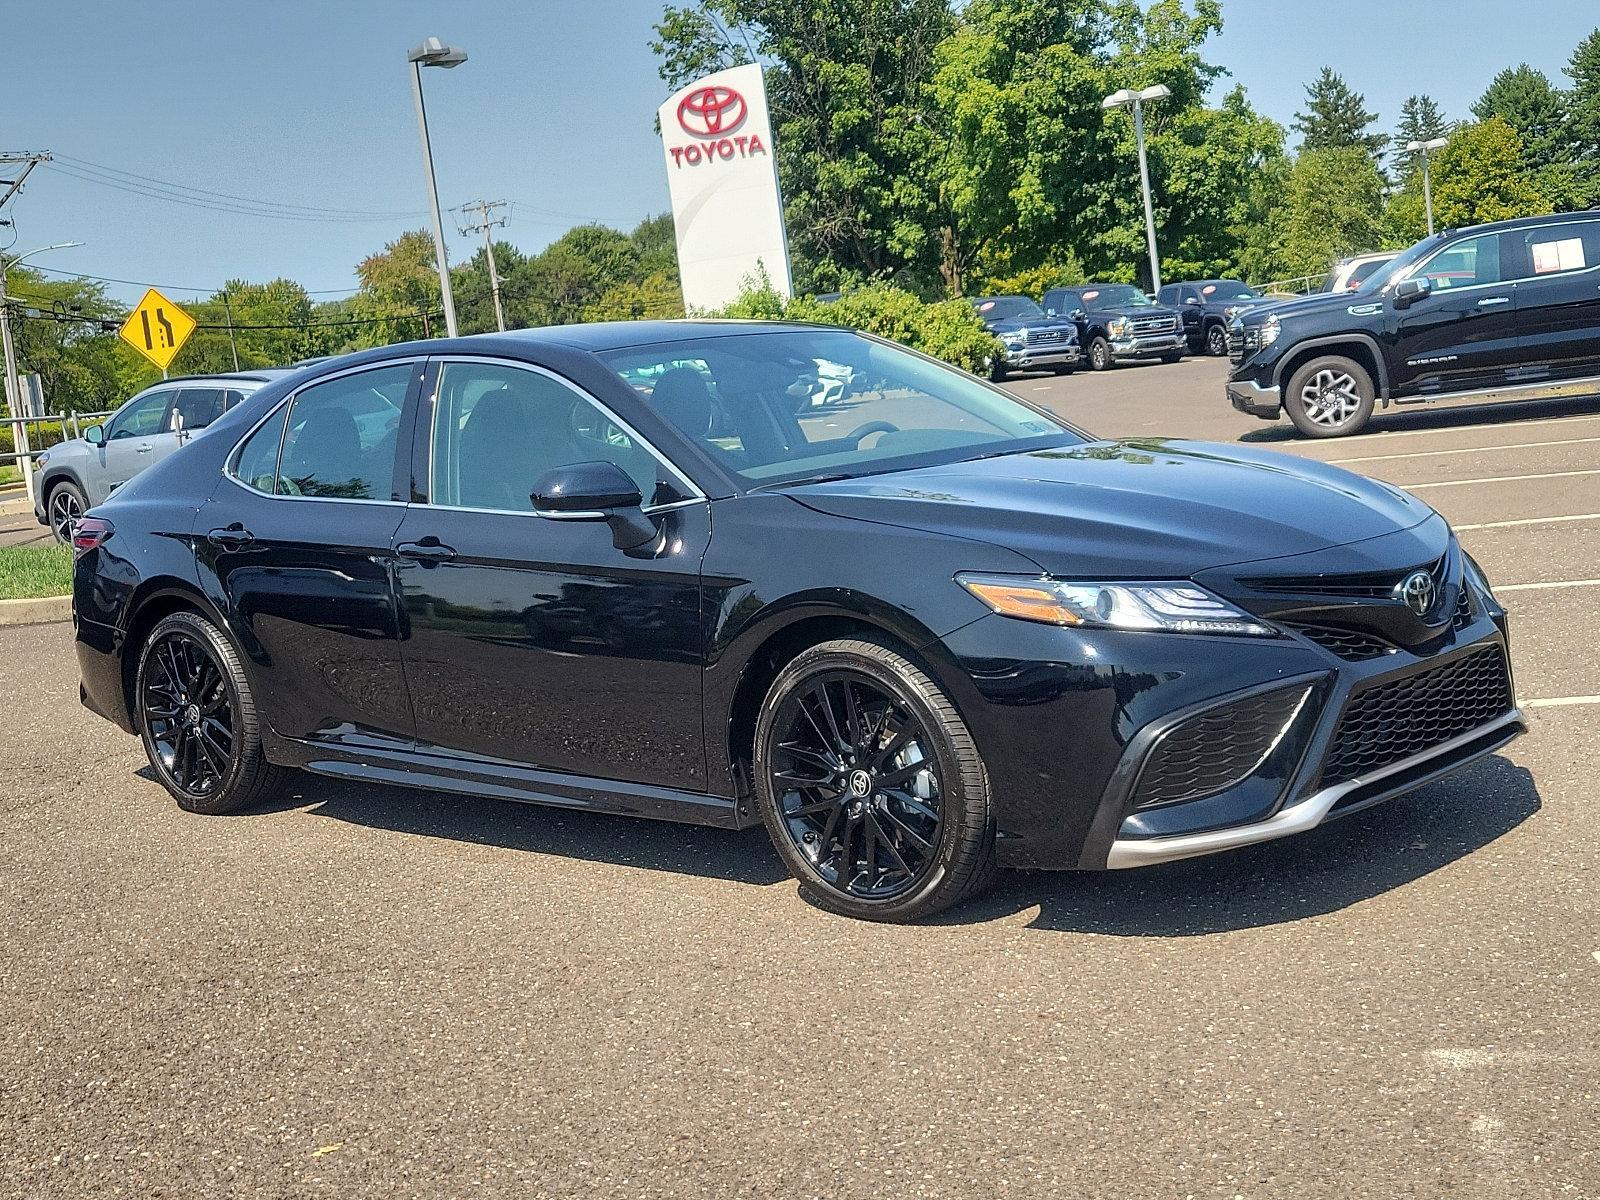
x=1157, y=345
x=1248, y=396
x=1026, y=358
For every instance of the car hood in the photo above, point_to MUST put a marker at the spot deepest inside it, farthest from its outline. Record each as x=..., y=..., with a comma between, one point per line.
x=1318, y=302
x=1132, y=310
x=1138, y=508
x=1029, y=324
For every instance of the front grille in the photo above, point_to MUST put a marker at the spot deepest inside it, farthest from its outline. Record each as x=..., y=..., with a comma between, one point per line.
x=1142, y=325
x=1393, y=721
x=1216, y=749
x=1373, y=586
x=1046, y=337
x=1463, y=614
x=1352, y=645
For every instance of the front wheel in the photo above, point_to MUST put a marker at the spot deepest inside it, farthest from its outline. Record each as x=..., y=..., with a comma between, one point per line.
x=997, y=369
x=1331, y=396
x=1172, y=358
x=1099, y=354
x=63, y=508
x=1217, y=342
x=197, y=718
x=870, y=785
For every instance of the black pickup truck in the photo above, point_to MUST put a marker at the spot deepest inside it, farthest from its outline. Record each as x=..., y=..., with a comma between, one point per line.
x=1206, y=306
x=1118, y=323
x=1506, y=311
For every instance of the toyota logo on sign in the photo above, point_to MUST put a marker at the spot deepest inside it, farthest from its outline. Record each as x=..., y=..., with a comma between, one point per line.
x=711, y=111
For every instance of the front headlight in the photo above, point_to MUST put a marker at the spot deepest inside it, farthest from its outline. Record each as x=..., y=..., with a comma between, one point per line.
x=41, y=460
x=1014, y=341
x=1270, y=328
x=1120, y=327
x=1178, y=607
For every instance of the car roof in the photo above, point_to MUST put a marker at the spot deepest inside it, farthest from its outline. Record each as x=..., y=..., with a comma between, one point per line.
x=1522, y=222
x=1006, y=296
x=601, y=336
x=256, y=375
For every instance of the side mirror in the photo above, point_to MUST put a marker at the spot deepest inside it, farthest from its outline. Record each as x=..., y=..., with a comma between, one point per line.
x=95, y=435
x=596, y=491
x=1195, y=300
x=1408, y=291
x=1078, y=314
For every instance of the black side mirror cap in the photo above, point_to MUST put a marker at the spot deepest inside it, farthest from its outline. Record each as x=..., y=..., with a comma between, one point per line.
x=596, y=491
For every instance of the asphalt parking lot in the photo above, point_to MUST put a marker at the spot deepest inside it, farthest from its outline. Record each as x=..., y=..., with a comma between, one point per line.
x=374, y=992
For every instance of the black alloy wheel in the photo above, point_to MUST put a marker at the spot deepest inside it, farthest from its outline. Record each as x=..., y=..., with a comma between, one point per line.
x=197, y=720
x=63, y=510
x=1217, y=341
x=870, y=786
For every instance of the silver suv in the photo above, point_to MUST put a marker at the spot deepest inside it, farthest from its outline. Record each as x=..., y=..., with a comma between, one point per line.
x=82, y=472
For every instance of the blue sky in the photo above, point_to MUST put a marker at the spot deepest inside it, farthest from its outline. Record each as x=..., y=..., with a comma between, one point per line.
x=308, y=102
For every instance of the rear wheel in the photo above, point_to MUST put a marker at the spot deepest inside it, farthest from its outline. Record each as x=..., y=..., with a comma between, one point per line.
x=1217, y=342
x=64, y=506
x=1330, y=396
x=198, y=720
x=870, y=785
x=1099, y=354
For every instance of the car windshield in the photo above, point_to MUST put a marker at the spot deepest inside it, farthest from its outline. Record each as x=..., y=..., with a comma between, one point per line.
x=782, y=406
x=1114, y=295
x=1229, y=289
x=1006, y=308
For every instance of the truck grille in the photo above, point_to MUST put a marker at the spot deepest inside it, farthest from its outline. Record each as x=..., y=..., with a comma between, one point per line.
x=1145, y=325
x=1046, y=337
x=1393, y=721
x=1216, y=749
x=1243, y=341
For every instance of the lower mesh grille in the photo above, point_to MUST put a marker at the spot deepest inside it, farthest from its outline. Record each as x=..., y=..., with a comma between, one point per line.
x=1393, y=721
x=1352, y=645
x=1215, y=749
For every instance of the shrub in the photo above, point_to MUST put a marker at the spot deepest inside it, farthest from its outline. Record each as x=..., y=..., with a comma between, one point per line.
x=947, y=330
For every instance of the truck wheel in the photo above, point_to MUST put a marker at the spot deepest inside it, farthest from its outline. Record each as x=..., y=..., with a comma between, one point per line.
x=1329, y=396
x=1217, y=342
x=1099, y=354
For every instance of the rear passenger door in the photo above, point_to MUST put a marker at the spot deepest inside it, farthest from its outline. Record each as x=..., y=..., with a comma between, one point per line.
x=1558, y=300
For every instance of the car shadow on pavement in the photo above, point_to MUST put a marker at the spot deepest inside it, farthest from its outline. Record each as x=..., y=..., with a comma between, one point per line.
x=740, y=856
x=1322, y=871
x=1396, y=420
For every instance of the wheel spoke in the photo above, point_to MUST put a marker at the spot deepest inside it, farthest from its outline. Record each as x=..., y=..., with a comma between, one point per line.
x=869, y=850
x=888, y=844
x=914, y=804
x=801, y=781
x=910, y=834
x=825, y=702
x=855, y=732
x=820, y=757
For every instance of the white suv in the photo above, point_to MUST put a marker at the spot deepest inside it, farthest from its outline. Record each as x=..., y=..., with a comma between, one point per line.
x=81, y=472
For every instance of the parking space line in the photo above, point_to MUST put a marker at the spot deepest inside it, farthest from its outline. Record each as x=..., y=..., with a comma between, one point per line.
x=1528, y=521
x=1484, y=425
x=1558, y=701
x=1460, y=450
x=1417, y=487
x=1540, y=587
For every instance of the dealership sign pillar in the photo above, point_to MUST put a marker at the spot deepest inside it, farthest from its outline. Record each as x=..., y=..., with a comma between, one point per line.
x=726, y=207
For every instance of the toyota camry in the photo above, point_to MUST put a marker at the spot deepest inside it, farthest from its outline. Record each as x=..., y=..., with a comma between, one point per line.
x=919, y=633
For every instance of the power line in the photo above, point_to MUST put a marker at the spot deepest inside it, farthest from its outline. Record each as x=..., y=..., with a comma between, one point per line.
x=410, y=314
x=174, y=287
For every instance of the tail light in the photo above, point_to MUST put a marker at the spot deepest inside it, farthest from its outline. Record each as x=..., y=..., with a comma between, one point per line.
x=90, y=533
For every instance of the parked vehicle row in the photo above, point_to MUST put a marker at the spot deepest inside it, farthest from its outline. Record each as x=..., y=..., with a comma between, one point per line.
x=1503, y=311
x=623, y=567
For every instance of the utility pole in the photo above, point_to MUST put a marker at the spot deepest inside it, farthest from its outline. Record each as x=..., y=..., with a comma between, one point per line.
x=484, y=223
x=233, y=345
x=13, y=384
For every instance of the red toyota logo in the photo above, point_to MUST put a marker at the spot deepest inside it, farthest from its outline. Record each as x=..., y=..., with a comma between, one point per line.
x=711, y=111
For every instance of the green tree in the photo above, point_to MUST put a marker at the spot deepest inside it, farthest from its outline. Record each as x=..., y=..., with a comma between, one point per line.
x=399, y=291
x=1583, y=115
x=1536, y=111
x=1333, y=207
x=1336, y=117
x=656, y=297
x=1477, y=177
x=1421, y=120
x=64, y=329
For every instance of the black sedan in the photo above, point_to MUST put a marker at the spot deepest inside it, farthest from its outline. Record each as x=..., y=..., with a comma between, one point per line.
x=918, y=634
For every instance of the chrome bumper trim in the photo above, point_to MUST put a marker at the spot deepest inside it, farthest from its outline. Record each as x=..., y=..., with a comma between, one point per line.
x=1314, y=809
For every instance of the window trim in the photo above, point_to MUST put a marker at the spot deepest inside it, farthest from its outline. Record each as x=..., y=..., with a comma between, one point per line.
x=1563, y=219
x=424, y=441
x=231, y=466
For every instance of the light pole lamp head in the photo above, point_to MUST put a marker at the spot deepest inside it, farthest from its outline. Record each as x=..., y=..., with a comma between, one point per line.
x=1118, y=99
x=431, y=52
x=1432, y=144
x=1159, y=92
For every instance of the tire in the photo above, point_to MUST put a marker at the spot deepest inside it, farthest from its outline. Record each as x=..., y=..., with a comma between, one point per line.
x=919, y=867
x=1172, y=358
x=1099, y=354
x=62, y=508
x=1217, y=341
x=997, y=370
x=186, y=653
x=1329, y=396
x=1065, y=370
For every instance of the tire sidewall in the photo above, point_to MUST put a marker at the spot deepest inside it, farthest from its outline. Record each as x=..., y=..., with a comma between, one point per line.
x=813, y=886
x=220, y=799
x=65, y=485
x=1215, y=346
x=1296, y=409
x=1099, y=354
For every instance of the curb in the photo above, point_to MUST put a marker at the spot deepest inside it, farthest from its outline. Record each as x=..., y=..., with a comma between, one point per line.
x=39, y=611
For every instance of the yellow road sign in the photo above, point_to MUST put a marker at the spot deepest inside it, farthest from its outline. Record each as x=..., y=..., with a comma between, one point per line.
x=157, y=329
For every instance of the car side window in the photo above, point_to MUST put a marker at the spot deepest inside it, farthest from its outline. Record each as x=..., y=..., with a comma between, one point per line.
x=1467, y=263
x=340, y=439
x=257, y=464
x=142, y=416
x=199, y=406
x=498, y=428
x=1557, y=249
x=1168, y=295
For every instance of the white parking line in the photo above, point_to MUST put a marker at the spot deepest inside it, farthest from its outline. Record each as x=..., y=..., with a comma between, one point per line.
x=1539, y=587
x=1559, y=701
x=1528, y=521
x=1400, y=433
x=1417, y=487
x=1460, y=450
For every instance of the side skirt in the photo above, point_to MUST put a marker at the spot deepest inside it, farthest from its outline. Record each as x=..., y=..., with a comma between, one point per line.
x=471, y=775
x=1505, y=393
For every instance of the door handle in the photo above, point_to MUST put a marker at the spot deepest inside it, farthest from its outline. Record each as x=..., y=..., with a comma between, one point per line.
x=1491, y=301
x=429, y=550
x=145, y=449
x=233, y=537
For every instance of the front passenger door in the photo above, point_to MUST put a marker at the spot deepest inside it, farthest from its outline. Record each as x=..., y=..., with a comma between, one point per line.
x=1464, y=334
x=132, y=437
x=535, y=640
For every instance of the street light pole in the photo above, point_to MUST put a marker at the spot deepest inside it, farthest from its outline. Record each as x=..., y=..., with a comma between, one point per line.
x=1137, y=100
x=13, y=378
x=431, y=52
x=1427, y=178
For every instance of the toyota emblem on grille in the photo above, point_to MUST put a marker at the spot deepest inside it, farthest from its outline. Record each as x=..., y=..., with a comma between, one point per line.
x=1416, y=589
